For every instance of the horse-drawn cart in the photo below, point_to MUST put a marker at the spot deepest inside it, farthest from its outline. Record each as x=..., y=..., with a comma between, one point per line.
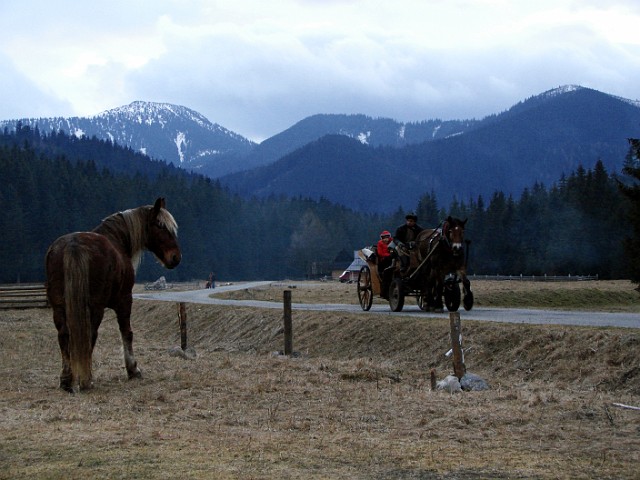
x=437, y=266
x=370, y=283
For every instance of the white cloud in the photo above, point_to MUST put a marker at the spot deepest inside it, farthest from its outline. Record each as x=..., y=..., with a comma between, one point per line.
x=20, y=95
x=258, y=67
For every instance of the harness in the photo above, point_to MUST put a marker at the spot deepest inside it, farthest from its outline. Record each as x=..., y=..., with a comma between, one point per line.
x=424, y=260
x=445, y=233
x=441, y=235
x=444, y=237
x=438, y=237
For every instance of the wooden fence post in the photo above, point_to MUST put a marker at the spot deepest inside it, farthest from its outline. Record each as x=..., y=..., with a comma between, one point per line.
x=459, y=368
x=432, y=378
x=288, y=329
x=182, y=320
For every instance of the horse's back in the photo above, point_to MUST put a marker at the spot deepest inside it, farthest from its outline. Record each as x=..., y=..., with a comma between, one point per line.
x=424, y=241
x=105, y=266
x=425, y=234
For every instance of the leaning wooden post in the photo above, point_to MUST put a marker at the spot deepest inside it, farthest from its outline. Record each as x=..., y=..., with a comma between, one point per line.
x=288, y=330
x=456, y=345
x=182, y=320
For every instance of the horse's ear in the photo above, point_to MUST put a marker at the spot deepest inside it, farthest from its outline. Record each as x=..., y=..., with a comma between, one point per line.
x=464, y=222
x=450, y=219
x=160, y=203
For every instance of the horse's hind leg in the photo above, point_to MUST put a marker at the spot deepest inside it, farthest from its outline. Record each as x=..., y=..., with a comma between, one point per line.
x=438, y=293
x=60, y=320
x=124, y=322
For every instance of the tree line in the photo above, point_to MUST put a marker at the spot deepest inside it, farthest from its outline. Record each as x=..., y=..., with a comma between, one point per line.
x=574, y=227
x=53, y=184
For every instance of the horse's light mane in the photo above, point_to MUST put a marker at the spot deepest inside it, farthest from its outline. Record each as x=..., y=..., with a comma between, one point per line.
x=130, y=226
x=134, y=218
x=166, y=219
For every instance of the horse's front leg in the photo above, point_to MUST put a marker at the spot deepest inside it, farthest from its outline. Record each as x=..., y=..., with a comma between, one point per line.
x=60, y=320
x=467, y=298
x=439, y=293
x=124, y=322
x=466, y=284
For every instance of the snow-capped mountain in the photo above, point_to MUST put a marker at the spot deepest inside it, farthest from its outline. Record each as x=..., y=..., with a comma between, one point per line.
x=536, y=140
x=162, y=131
x=373, y=132
x=187, y=139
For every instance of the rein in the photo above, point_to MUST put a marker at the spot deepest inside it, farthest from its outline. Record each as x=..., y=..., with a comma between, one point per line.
x=424, y=260
x=443, y=239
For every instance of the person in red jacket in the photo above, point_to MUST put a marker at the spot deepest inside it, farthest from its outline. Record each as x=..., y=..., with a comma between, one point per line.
x=384, y=252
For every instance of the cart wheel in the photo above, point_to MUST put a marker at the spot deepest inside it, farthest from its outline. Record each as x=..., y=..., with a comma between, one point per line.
x=467, y=300
x=452, y=297
x=365, y=292
x=396, y=295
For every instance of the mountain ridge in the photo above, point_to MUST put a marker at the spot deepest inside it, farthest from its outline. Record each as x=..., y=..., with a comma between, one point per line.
x=173, y=133
x=536, y=140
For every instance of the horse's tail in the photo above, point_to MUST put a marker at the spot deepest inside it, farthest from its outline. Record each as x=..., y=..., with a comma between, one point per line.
x=76, y=294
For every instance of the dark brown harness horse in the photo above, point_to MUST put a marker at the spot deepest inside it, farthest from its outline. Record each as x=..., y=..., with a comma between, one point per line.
x=443, y=252
x=90, y=271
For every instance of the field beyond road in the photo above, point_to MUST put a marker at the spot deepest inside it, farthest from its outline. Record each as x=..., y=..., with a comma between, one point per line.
x=354, y=403
x=603, y=295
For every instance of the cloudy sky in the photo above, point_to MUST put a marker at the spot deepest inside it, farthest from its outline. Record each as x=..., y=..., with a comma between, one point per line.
x=257, y=67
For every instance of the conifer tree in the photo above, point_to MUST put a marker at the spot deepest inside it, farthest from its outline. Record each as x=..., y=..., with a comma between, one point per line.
x=631, y=190
x=427, y=210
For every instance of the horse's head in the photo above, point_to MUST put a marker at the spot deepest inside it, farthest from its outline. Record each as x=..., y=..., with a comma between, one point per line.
x=453, y=231
x=162, y=233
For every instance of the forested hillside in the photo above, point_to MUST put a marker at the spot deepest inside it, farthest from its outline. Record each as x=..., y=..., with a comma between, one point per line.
x=54, y=184
x=575, y=227
x=374, y=132
x=537, y=140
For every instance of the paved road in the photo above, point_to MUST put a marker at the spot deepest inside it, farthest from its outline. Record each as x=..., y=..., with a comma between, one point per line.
x=505, y=315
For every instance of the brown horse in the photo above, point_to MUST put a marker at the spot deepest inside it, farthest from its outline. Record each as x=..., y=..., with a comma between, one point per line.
x=443, y=249
x=90, y=271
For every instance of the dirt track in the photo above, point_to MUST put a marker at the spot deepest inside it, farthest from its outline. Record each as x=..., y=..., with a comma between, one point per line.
x=504, y=315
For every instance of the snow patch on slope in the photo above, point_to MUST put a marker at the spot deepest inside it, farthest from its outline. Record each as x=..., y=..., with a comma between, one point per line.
x=181, y=141
x=364, y=137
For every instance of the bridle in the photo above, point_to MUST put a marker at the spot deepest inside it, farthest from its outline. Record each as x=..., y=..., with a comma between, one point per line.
x=447, y=232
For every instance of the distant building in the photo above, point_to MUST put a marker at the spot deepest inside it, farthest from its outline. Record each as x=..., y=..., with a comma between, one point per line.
x=350, y=274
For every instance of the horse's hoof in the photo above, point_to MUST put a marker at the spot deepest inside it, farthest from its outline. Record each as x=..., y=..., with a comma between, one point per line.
x=66, y=383
x=86, y=386
x=66, y=386
x=467, y=301
x=134, y=374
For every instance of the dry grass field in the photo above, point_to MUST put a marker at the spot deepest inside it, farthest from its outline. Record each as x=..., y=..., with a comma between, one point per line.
x=355, y=403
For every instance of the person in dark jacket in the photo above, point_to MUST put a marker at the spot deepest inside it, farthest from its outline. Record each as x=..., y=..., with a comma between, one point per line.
x=405, y=237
